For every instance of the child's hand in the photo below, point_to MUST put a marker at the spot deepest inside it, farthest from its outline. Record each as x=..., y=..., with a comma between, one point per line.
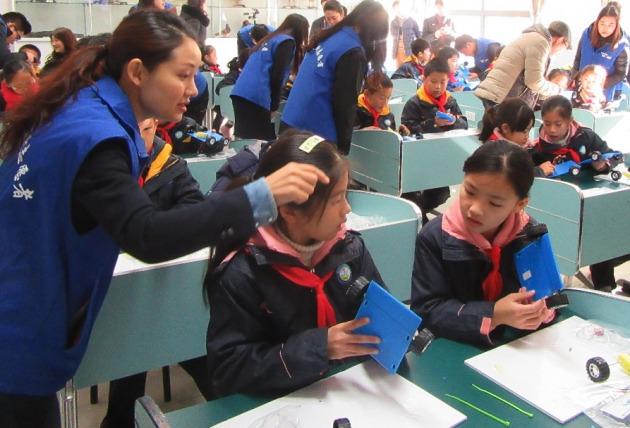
x=294, y=182
x=548, y=168
x=376, y=128
x=519, y=311
x=342, y=343
x=600, y=165
x=404, y=131
x=458, y=89
x=444, y=122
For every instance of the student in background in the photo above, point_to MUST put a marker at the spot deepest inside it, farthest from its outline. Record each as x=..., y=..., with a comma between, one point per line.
x=33, y=56
x=318, y=24
x=63, y=42
x=18, y=81
x=562, y=138
x=560, y=77
x=256, y=94
x=605, y=43
x=330, y=78
x=279, y=303
x=372, y=110
x=512, y=120
x=76, y=183
x=420, y=116
x=456, y=82
x=209, y=58
x=464, y=283
x=438, y=29
x=413, y=66
x=13, y=26
x=589, y=88
x=482, y=50
x=168, y=182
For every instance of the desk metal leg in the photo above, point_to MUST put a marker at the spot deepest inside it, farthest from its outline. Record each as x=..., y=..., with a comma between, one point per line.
x=68, y=405
x=584, y=280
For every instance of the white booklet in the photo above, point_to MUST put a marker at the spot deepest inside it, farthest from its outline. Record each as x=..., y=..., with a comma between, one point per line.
x=548, y=368
x=366, y=394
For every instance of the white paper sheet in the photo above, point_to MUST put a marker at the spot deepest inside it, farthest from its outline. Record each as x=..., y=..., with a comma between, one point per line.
x=365, y=394
x=548, y=368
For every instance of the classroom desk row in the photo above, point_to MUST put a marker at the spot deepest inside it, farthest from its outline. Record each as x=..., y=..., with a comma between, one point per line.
x=440, y=370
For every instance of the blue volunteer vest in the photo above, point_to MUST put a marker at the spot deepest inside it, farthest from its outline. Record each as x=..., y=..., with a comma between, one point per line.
x=244, y=35
x=47, y=271
x=309, y=106
x=481, y=57
x=604, y=56
x=254, y=83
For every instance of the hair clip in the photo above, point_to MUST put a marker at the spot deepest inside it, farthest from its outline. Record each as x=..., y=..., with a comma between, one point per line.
x=309, y=144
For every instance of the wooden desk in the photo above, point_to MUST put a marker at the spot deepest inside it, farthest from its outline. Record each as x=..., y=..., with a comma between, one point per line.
x=587, y=219
x=441, y=370
x=383, y=163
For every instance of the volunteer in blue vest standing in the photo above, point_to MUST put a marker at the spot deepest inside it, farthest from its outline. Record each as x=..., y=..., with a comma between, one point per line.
x=482, y=50
x=70, y=200
x=324, y=95
x=605, y=43
x=256, y=94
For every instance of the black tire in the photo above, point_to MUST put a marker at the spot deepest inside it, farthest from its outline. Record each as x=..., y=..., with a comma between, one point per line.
x=615, y=175
x=595, y=156
x=342, y=423
x=598, y=369
x=574, y=171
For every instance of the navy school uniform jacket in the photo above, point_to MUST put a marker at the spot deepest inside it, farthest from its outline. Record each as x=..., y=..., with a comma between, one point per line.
x=261, y=80
x=410, y=69
x=419, y=115
x=582, y=141
x=263, y=336
x=325, y=92
x=446, y=287
x=364, y=117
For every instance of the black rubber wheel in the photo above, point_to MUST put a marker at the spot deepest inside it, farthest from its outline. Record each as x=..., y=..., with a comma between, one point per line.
x=595, y=156
x=574, y=170
x=342, y=423
x=598, y=369
x=557, y=301
x=615, y=175
x=421, y=342
x=357, y=289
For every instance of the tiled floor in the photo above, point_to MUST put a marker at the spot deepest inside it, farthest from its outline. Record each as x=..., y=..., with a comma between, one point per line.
x=185, y=393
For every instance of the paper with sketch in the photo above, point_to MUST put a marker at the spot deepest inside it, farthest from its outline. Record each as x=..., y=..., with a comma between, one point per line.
x=548, y=368
x=365, y=394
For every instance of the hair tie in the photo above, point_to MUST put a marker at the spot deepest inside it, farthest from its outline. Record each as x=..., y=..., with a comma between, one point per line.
x=309, y=144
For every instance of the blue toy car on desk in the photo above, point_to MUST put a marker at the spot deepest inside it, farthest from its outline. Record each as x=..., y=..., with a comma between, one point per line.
x=574, y=168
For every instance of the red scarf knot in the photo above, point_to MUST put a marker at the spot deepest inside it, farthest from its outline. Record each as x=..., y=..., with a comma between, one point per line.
x=305, y=278
x=439, y=102
x=493, y=284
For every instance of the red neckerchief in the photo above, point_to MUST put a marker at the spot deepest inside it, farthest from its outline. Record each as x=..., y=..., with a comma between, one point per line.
x=374, y=113
x=11, y=98
x=575, y=157
x=305, y=278
x=439, y=102
x=215, y=68
x=162, y=132
x=493, y=284
x=420, y=68
x=451, y=78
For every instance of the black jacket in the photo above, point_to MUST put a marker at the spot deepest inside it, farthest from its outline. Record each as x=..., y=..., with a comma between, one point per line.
x=263, y=336
x=582, y=141
x=419, y=116
x=173, y=184
x=446, y=285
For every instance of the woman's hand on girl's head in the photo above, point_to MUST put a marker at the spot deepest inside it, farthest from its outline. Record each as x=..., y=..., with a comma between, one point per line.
x=519, y=311
x=343, y=343
x=548, y=168
x=294, y=182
